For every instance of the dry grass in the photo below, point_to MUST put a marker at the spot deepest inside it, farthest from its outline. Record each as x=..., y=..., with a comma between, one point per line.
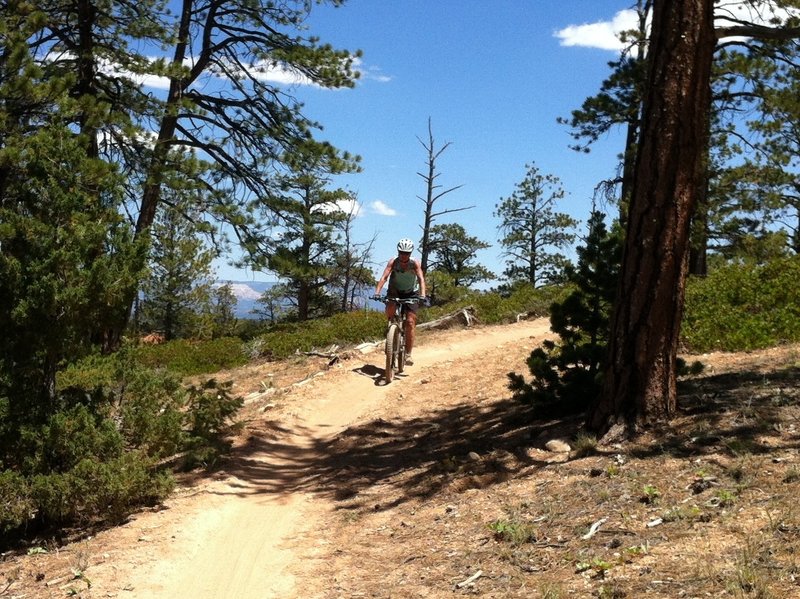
x=707, y=507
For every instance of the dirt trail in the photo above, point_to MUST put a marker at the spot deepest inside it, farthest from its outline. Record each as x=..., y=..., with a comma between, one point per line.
x=250, y=531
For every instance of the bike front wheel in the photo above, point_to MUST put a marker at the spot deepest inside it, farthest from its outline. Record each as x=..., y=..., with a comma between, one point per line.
x=400, y=353
x=392, y=347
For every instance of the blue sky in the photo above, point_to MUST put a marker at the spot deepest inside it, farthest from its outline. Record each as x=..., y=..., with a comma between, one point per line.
x=493, y=77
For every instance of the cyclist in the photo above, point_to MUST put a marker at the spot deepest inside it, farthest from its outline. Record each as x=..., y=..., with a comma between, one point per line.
x=403, y=274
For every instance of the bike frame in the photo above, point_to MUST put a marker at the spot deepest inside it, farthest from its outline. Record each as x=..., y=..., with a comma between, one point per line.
x=396, y=336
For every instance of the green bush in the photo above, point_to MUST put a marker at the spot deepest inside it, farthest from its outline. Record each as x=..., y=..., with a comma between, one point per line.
x=189, y=358
x=94, y=371
x=94, y=489
x=182, y=357
x=492, y=307
x=76, y=467
x=567, y=374
x=348, y=328
x=150, y=410
x=96, y=457
x=16, y=505
x=743, y=307
x=68, y=437
x=210, y=408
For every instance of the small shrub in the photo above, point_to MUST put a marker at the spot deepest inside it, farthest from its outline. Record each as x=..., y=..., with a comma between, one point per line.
x=182, y=357
x=150, y=410
x=743, y=306
x=514, y=532
x=567, y=375
x=67, y=438
x=551, y=591
x=690, y=513
x=95, y=457
x=189, y=358
x=16, y=505
x=724, y=498
x=493, y=308
x=92, y=372
x=792, y=475
x=98, y=490
x=650, y=494
x=210, y=408
x=347, y=328
x=585, y=444
x=596, y=564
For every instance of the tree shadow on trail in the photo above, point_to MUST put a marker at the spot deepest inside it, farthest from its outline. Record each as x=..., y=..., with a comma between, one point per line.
x=408, y=458
x=738, y=413
x=382, y=464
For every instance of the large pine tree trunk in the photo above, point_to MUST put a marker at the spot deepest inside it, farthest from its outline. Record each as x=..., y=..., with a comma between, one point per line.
x=640, y=383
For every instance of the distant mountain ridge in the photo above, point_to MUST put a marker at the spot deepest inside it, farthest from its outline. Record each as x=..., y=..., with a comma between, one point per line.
x=247, y=294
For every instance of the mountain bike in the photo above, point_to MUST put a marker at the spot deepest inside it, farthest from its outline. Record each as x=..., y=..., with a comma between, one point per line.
x=396, y=335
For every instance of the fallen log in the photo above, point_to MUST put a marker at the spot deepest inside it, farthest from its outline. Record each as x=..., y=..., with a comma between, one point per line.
x=465, y=316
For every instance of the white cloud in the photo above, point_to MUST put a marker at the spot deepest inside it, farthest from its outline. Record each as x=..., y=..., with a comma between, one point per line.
x=739, y=10
x=372, y=73
x=731, y=12
x=603, y=34
x=154, y=81
x=348, y=206
x=278, y=73
x=266, y=71
x=382, y=208
x=146, y=80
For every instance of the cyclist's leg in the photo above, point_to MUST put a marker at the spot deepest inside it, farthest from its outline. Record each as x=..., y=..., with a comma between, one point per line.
x=411, y=326
x=391, y=307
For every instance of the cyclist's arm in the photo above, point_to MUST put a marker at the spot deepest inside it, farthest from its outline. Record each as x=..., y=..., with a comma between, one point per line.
x=384, y=277
x=421, y=277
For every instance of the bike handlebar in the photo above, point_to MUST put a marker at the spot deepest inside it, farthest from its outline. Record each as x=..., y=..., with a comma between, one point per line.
x=399, y=300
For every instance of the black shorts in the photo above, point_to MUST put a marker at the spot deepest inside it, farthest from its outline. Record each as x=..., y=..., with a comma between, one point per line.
x=413, y=307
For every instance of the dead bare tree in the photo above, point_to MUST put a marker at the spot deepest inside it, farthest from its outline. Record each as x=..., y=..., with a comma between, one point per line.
x=353, y=261
x=433, y=194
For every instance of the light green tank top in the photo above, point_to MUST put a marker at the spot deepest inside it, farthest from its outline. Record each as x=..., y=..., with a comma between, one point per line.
x=403, y=280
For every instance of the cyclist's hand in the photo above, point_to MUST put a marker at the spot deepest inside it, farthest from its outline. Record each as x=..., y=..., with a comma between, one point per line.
x=375, y=296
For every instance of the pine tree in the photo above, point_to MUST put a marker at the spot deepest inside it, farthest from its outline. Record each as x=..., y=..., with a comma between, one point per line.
x=533, y=232
x=453, y=254
x=65, y=249
x=310, y=221
x=178, y=285
x=567, y=374
x=223, y=306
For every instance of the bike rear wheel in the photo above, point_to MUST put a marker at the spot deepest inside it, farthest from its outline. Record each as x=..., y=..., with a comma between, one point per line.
x=392, y=345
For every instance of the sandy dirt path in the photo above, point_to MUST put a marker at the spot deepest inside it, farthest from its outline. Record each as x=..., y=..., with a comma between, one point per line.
x=248, y=533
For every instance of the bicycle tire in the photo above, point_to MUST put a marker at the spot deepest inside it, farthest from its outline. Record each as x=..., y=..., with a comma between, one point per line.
x=400, y=350
x=392, y=336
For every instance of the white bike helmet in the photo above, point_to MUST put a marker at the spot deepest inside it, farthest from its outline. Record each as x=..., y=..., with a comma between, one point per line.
x=405, y=245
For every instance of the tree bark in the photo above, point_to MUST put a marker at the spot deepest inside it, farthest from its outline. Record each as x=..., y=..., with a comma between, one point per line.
x=640, y=382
